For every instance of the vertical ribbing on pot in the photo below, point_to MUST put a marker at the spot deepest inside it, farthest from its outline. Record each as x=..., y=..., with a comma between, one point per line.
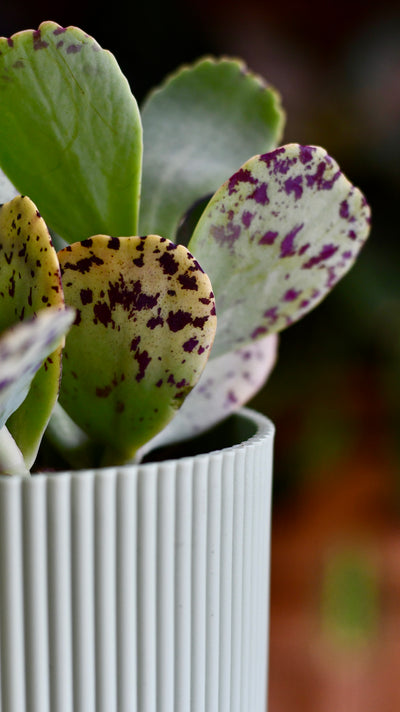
x=139, y=589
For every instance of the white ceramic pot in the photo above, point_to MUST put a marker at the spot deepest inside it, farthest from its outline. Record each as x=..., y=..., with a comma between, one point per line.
x=140, y=588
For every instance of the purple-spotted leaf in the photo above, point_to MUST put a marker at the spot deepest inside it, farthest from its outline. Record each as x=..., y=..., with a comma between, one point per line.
x=198, y=126
x=144, y=328
x=227, y=383
x=30, y=281
x=70, y=131
x=275, y=239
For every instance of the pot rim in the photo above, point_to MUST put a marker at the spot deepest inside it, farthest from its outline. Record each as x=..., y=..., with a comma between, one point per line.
x=265, y=429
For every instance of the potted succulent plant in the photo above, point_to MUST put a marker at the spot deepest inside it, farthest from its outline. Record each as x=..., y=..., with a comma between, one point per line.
x=174, y=259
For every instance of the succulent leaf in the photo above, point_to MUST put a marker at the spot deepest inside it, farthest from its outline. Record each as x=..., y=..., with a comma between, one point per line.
x=70, y=131
x=227, y=383
x=205, y=120
x=23, y=349
x=11, y=459
x=275, y=239
x=30, y=281
x=144, y=328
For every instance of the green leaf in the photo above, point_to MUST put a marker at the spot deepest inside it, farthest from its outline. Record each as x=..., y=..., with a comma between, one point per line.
x=275, y=239
x=30, y=281
x=70, y=131
x=206, y=120
x=145, y=324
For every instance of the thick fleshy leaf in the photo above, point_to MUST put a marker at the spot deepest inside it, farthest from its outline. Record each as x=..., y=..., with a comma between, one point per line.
x=275, y=239
x=23, y=349
x=144, y=328
x=206, y=120
x=70, y=131
x=30, y=280
x=227, y=383
x=7, y=190
x=11, y=459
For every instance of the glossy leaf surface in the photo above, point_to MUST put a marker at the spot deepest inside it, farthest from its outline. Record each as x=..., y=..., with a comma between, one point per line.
x=30, y=281
x=144, y=328
x=70, y=131
x=206, y=120
x=275, y=239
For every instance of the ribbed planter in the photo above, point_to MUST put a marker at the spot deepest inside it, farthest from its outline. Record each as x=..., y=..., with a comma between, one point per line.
x=140, y=588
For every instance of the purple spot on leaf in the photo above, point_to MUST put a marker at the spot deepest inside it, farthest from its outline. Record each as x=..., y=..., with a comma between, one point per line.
x=260, y=331
x=86, y=296
x=191, y=344
x=226, y=234
x=102, y=313
x=247, y=217
x=294, y=185
x=271, y=156
x=38, y=43
x=317, y=179
x=155, y=321
x=242, y=176
x=178, y=320
x=188, y=282
x=260, y=194
x=326, y=252
x=287, y=244
x=306, y=154
x=268, y=238
x=291, y=295
x=143, y=359
x=113, y=243
x=272, y=314
x=168, y=263
x=303, y=249
x=344, y=209
x=135, y=343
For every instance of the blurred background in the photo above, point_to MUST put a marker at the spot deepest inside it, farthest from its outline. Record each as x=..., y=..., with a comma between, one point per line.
x=335, y=394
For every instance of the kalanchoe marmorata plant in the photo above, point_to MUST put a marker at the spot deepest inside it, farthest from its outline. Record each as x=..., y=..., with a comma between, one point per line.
x=162, y=220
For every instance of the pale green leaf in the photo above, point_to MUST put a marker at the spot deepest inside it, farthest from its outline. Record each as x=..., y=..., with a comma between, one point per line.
x=206, y=120
x=70, y=131
x=23, y=349
x=275, y=239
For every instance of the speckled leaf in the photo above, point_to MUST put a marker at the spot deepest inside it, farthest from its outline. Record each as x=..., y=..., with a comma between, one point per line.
x=276, y=238
x=145, y=324
x=206, y=120
x=227, y=383
x=30, y=280
x=23, y=349
x=70, y=131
